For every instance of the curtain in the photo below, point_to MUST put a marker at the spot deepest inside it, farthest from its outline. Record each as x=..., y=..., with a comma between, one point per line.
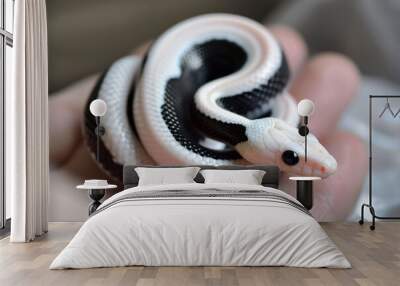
x=27, y=147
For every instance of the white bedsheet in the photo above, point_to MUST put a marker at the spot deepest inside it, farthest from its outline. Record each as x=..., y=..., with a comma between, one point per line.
x=200, y=231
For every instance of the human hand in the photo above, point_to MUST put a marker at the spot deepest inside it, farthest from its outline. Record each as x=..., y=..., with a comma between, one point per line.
x=330, y=80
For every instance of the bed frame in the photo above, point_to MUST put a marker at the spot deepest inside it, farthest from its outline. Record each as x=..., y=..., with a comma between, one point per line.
x=271, y=177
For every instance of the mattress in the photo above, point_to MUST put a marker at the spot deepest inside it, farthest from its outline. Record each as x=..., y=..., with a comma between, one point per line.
x=201, y=225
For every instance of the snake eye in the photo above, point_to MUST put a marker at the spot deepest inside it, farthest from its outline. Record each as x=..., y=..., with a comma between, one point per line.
x=290, y=157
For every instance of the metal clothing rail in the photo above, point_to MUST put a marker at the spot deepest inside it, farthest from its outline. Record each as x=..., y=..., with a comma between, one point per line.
x=370, y=201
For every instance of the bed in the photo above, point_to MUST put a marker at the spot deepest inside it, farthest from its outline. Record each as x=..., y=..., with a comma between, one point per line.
x=201, y=224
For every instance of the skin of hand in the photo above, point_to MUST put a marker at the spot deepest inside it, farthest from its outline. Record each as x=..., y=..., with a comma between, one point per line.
x=329, y=79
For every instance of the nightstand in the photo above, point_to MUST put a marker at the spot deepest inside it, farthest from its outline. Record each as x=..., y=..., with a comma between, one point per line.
x=96, y=190
x=304, y=190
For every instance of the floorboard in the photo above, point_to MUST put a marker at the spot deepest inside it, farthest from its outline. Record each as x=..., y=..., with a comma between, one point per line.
x=374, y=255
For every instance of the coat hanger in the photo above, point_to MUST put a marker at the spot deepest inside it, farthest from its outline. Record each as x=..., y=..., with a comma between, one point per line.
x=387, y=107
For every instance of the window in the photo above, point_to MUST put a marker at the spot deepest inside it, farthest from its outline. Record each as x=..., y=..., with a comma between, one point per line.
x=6, y=64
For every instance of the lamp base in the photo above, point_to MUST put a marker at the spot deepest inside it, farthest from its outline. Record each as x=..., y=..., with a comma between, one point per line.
x=304, y=193
x=96, y=195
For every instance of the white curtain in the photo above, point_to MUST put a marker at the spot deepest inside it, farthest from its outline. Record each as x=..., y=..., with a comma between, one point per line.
x=27, y=151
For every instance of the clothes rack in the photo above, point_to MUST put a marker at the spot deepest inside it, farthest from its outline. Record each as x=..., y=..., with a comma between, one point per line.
x=370, y=201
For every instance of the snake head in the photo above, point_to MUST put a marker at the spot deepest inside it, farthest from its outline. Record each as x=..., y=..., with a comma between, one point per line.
x=275, y=141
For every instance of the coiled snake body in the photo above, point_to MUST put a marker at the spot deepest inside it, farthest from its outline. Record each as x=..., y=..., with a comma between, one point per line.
x=210, y=91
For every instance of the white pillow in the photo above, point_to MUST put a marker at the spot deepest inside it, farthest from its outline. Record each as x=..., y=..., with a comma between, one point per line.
x=165, y=176
x=246, y=177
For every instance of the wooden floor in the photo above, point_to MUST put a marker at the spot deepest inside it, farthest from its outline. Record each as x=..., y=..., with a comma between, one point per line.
x=375, y=257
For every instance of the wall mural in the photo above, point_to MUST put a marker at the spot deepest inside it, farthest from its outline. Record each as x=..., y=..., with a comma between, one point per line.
x=211, y=90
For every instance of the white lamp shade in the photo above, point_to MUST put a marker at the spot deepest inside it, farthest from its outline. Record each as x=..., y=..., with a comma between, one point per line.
x=98, y=107
x=305, y=107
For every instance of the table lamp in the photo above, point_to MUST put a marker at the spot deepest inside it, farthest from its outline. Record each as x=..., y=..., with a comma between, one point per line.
x=305, y=108
x=98, y=108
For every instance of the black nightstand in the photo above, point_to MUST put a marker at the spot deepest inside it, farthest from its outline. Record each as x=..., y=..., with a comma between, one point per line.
x=304, y=190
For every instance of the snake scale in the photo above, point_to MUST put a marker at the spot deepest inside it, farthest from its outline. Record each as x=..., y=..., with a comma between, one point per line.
x=211, y=90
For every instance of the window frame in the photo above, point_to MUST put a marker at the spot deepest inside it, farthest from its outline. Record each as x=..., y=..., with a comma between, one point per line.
x=6, y=39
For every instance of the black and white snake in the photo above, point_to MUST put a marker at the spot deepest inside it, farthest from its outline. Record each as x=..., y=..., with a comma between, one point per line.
x=210, y=91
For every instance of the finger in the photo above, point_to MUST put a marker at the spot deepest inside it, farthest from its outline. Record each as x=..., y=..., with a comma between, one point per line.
x=293, y=46
x=142, y=49
x=330, y=81
x=66, y=109
x=334, y=197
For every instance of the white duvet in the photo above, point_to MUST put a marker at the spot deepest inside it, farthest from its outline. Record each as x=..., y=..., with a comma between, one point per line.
x=226, y=231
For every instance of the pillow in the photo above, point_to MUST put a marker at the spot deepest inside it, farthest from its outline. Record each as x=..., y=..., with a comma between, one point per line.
x=245, y=177
x=165, y=176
